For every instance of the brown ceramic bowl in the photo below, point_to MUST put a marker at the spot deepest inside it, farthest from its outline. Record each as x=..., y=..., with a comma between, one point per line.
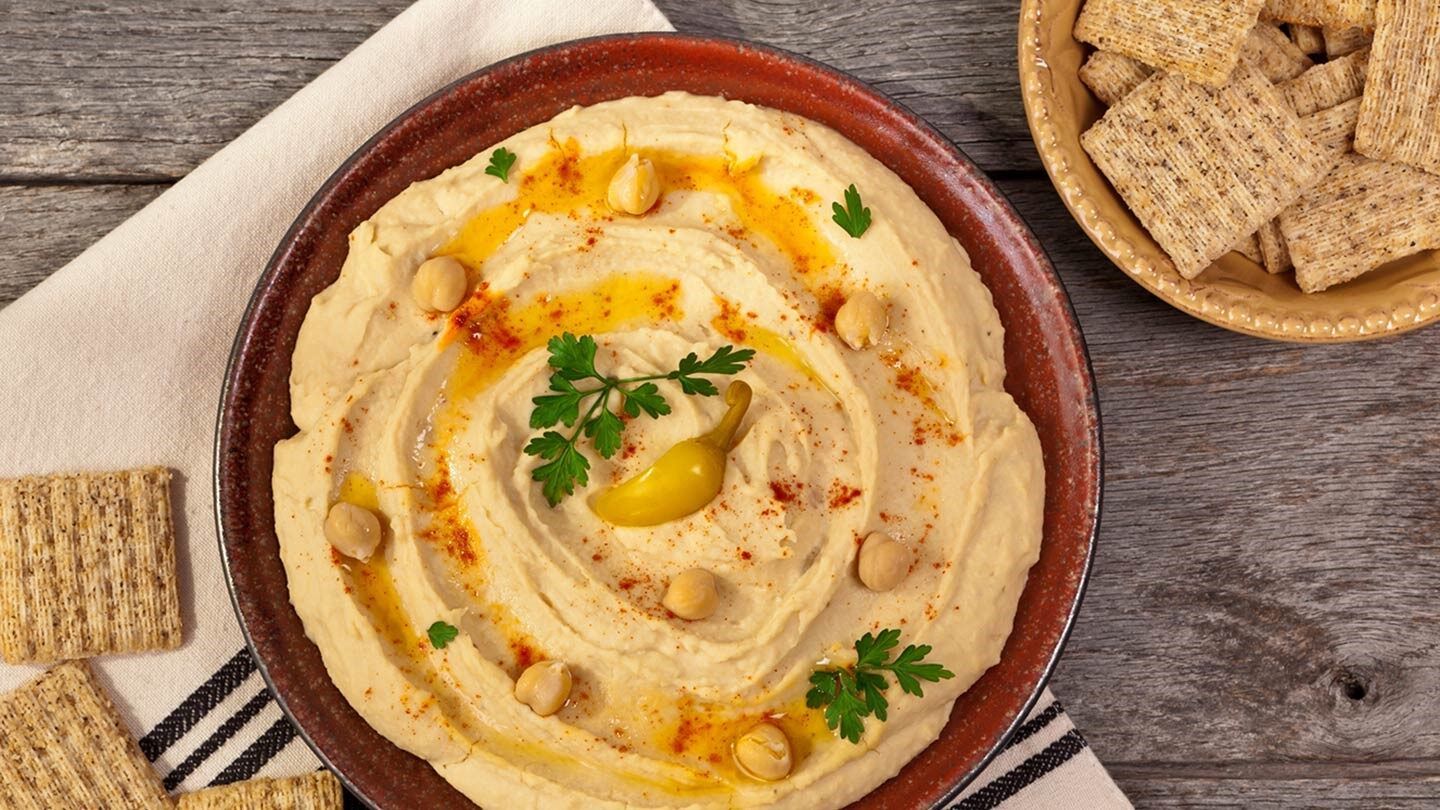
x=1235, y=293
x=1048, y=371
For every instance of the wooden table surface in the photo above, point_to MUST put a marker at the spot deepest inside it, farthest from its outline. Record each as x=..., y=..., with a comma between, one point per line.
x=1263, y=623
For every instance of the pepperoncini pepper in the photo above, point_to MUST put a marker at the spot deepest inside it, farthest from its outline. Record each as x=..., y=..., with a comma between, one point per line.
x=683, y=480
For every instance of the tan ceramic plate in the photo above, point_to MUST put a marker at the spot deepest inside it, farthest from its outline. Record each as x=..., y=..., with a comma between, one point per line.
x=1235, y=292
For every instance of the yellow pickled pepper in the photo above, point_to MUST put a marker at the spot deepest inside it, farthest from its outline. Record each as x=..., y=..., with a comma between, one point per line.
x=683, y=480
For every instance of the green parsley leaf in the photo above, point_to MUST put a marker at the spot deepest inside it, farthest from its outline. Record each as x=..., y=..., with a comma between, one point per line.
x=563, y=406
x=500, y=162
x=852, y=694
x=605, y=431
x=854, y=217
x=441, y=634
x=847, y=712
x=646, y=398
x=560, y=476
x=573, y=359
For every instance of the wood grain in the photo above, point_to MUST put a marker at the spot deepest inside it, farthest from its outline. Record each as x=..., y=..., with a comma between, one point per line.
x=1262, y=628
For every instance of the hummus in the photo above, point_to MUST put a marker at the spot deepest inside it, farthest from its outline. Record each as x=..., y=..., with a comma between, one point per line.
x=422, y=417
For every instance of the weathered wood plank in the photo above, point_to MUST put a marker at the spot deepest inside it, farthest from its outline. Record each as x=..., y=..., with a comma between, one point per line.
x=148, y=90
x=42, y=228
x=1247, y=794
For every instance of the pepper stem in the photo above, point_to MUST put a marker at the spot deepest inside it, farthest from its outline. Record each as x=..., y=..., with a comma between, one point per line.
x=737, y=396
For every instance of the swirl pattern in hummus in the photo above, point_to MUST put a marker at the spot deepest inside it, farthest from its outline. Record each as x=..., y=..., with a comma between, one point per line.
x=423, y=417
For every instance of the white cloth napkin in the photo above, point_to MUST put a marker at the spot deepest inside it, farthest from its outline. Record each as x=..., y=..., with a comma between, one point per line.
x=115, y=361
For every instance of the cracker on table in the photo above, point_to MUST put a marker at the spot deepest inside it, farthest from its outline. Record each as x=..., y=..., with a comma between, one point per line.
x=313, y=791
x=1275, y=256
x=1199, y=39
x=1322, y=13
x=1269, y=49
x=62, y=745
x=1340, y=41
x=87, y=565
x=1327, y=85
x=1333, y=128
x=1111, y=76
x=1203, y=168
x=1400, y=111
x=1362, y=215
x=1307, y=38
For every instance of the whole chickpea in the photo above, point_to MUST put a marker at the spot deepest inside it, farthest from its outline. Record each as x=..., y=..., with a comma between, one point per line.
x=439, y=284
x=883, y=562
x=353, y=530
x=635, y=186
x=544, y=686
x=764, y=752
x=692, y=594
x=861, y=320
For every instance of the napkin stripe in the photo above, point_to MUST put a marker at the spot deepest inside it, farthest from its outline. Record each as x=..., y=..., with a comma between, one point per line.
x=194, y=708
x=1013, y=781
x=264, y=749
x=221, y=736
x=1034, y=725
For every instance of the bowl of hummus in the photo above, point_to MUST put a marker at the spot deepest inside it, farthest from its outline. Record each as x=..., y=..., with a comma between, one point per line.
x=656, y=421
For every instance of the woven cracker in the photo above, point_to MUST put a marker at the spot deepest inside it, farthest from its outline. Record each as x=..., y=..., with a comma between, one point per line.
x=87, y=565
x=1275, y=256
x=1400, y=113
x=1269, y=49
x=1323, y=13
x=1199, y=39
x=1111, y=76
x=313, y=791
x=1362, y=215
x=1203, y=168
x=1327, y=85
x=1333, y=128
x=63, y=746
x=1340, y=41
x=1249, y=247
x=1307, y=38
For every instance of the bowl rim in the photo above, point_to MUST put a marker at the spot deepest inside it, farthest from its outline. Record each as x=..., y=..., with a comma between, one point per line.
x=1210, y=303
x=1004, y=207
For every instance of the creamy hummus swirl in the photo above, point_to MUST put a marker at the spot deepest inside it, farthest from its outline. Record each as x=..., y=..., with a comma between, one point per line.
x=423, y=418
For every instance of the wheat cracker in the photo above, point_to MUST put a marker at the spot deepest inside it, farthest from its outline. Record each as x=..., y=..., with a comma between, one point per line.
x=1111, y=76
x=1203, y=168
x=1322, y=13
x=1333, y=128
x=87, y=565
x=313, y=791
x=63, y=745
x=1340, y=41
x=1307, y=38
x=1199, y=39
x=1400, y=110
x=1362, y=215
x=1325, y=86
x=1269, y=49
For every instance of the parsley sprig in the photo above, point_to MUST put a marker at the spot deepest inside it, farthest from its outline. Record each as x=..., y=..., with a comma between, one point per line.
x=852, y=694
x=441, y=633
x=573, y=359
x=500, y=162
x=853, y=216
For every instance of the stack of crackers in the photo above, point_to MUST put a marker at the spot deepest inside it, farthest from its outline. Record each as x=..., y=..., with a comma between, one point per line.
x=1303, y=134
x=87, y=568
